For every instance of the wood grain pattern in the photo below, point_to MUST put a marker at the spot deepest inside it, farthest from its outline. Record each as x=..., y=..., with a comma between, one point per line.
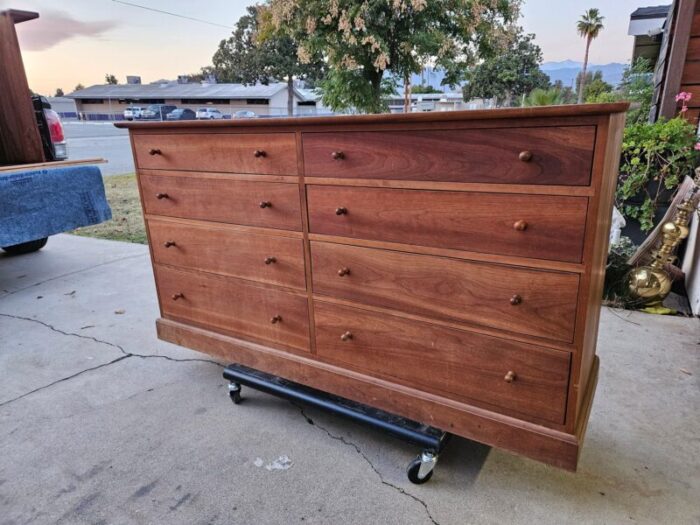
x=218, y=249
x=223, y=200
x=20, y=142
x=536, y=441
x=445, y=362
x=234, y=306
x=232, y=153
x=559, y=155
x=450, y=289
x=459, y=220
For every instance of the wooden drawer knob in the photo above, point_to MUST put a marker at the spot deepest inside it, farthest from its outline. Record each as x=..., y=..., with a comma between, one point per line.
x=338, y=155
x=259, y=153
x=162, y=196
x=341, y=211
x=276, y=319
x=346, y=336
x=266, y=204
x=155, y=151
x=525, y=156
x=343, y=272
x=178, y=295
x=168, y=244
x=516, y=300
x=520, y=226
x=509, y=377
x=270, y=260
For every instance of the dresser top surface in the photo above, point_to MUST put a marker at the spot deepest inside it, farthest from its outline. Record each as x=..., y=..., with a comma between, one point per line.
x=571, y=110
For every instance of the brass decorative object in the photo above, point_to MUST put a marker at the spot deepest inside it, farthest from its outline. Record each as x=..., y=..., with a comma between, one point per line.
x=650, y=284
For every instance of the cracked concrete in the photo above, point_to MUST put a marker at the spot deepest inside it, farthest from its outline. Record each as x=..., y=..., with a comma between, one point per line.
x=102, y=423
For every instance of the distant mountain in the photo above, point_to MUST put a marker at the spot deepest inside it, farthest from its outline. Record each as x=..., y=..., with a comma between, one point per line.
x=567, y=70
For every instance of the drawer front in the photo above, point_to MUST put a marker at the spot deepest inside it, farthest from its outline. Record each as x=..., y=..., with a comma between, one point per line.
x=532, y=302
x=445, y=361
x=235, y=306
x=265, y=258
x=266, y=204
x=537, y=226
x=263, y=153
x=547, y=155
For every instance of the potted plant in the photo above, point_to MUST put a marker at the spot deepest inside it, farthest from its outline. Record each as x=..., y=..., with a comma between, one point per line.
x=655, y=158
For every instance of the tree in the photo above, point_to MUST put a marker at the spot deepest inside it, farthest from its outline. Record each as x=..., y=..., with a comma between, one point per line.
x=363, y=39
x=257, y=52
x=510, y=74
x=544, y=97
x=78, y=87
x=593, y=84
x=59, y=92
x=424, y=88
x=111, y=79
x=589, y=27
x=203, y=74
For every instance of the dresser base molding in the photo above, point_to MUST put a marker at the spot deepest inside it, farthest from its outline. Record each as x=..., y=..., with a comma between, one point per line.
x=550, y=446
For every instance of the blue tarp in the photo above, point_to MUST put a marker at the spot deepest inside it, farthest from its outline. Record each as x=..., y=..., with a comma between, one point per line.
x=36, y=204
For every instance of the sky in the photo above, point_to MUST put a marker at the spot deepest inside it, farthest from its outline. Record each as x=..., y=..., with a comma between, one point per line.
x=79, y=41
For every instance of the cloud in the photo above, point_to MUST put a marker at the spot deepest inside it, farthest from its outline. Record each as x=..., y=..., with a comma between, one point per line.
x=54, y=27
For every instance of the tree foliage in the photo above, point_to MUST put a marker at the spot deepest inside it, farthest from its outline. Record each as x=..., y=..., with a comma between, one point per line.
x=111, y=79
x=363, y=39
x=424, y=88
x=59, y=92
x=593, y=85
x=544, y=97
x=510, y=74
x=256, y=52
x=78, y=87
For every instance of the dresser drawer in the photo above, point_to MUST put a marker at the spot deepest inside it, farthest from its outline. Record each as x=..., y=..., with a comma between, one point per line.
x=531, y=302
x=445, y=361
x=537, y=226
x=545, y=155
x=218, y=249
x=261, y=153
x=234, y=306
x=266, y=204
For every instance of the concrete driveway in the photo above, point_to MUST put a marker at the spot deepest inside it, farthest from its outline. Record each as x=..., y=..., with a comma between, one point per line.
x=102, y=423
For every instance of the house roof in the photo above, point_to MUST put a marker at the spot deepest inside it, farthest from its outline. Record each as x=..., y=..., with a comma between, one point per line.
x=175, y=90
x=657, y=11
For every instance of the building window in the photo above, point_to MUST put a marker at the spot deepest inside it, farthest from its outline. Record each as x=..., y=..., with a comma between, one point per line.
x=92, y=100
x=200, y=101
x=257, y=101
x=307, y=103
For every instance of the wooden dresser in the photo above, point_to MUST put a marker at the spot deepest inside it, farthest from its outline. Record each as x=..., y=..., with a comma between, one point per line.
x=446, y=267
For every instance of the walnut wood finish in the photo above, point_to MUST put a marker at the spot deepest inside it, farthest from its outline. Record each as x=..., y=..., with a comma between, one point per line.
x=449, y=288
x=266, y=204
x=446, y=362
x=234, y=306
x=434, y=294
x=233, y=252
x=551, y=155
x=271, y=153
x=464, y=221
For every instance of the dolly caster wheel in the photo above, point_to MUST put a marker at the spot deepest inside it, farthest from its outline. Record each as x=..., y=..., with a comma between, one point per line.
x=420, y=470
x=234, y=392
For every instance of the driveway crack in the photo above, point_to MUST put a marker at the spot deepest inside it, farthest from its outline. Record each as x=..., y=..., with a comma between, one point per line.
x=125, y=355
x=369, y=462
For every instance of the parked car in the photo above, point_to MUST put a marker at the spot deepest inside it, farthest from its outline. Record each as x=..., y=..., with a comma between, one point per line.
x=244, y=113
x=50, y=130
x=156, y=112
x=54, y=144
x=209, y=113
x=133, y=112
x=181, y=114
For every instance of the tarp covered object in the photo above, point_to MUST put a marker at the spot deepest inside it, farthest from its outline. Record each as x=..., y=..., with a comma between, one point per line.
x=38, y=203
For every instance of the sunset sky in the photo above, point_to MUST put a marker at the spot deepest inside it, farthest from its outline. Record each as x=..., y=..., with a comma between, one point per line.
x=78, y=41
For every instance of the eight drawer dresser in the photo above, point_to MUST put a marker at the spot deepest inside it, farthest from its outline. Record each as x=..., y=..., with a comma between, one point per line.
x=446, y=267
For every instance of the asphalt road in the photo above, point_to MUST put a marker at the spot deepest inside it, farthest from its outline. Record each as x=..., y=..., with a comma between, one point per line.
x=100, y=139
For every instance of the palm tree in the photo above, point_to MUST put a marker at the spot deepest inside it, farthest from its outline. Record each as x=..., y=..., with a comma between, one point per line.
x=544, y=97
x=588, y=27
